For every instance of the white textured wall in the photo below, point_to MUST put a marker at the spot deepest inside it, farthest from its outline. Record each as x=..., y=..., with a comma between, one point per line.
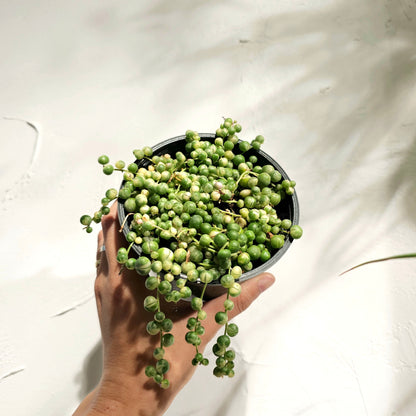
x=330, y=84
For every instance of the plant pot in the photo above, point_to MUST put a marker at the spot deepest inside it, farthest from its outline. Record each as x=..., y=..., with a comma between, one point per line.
x=287, y=208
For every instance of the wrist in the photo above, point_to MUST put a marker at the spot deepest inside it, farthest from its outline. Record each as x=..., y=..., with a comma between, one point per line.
x=124, y=395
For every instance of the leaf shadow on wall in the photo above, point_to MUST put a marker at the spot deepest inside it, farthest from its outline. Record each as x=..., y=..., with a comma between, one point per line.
x=365, y=104
x=361, y=57
x=361, y=118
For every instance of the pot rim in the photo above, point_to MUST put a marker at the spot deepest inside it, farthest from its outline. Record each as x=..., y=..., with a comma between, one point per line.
x=294, y=210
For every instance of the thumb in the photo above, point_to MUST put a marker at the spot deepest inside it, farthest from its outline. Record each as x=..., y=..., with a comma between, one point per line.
x=250, y=290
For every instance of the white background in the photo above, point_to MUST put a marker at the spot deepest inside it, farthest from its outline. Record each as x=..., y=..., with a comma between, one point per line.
x=330, y=84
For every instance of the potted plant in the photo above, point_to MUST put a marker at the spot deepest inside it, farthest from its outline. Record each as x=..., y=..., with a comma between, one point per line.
x=200, y=214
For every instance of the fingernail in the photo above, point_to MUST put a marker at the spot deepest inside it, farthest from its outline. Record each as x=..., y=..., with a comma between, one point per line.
x=265, y=282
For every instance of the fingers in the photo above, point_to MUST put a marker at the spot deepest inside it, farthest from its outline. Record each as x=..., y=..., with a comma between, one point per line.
x=102, y=263
x=251, y=290
x=100, y=243
x=101, y=259
x=111, y=237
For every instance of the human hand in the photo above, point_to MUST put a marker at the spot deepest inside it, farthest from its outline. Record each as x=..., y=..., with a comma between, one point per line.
x=127, y=347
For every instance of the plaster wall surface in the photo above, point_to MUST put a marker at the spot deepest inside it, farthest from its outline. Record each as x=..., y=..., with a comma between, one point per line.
x=330, y=84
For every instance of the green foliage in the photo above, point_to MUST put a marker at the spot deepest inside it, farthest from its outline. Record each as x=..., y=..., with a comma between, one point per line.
x=207, y=214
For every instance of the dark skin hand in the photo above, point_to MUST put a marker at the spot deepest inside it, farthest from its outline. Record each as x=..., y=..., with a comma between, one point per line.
x=124, y=389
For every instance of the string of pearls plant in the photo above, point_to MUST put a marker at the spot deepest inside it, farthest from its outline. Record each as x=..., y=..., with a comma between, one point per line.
x=204, y=215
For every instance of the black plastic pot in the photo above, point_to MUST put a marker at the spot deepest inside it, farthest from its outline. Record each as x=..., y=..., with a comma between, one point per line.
x=287, y=208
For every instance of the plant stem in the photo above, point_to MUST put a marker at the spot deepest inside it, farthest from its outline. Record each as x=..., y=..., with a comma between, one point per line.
x=158, y=309
x=229, y=213
x=399, y=256
x=203, y=290
x=125, y=219
x=197, y=319
x=130, y=246
x=226, y=324
x=246, y=172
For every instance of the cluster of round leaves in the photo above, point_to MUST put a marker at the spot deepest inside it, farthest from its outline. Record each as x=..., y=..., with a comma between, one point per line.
x=206, y=214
